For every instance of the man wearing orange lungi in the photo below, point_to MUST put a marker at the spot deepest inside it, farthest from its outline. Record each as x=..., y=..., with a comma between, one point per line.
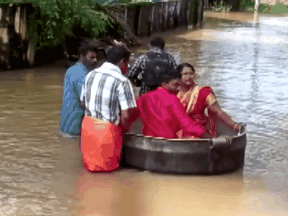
x=108, y=98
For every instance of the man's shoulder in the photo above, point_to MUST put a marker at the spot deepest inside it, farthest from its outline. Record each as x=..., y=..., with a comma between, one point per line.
x=169, y=55
x=142, y=56
x=76, y=66
x=89, y=74
x=122, y=79
x=167, y=99
x=104, y=71
x=76, y=69
x=162, y=55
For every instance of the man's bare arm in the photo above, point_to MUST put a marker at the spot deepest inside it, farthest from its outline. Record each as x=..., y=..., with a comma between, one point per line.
x=128, y=117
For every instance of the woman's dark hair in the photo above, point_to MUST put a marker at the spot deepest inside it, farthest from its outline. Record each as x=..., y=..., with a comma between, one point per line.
x=180, y=67
x=85, y=47
x=157, y=42
x=116, y=54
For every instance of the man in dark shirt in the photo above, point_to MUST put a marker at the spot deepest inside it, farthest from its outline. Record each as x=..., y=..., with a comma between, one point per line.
x=156, y=49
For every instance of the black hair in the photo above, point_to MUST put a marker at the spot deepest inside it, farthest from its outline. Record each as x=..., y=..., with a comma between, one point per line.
x=85, y=47
x=116, y=54
x=167, y=77
x=158, y=42
x=180, y=67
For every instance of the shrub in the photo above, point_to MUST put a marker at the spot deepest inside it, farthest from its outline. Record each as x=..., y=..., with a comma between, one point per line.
x=220, y=7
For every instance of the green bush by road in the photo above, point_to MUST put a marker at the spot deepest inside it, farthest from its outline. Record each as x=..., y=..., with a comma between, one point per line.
x=248, y=6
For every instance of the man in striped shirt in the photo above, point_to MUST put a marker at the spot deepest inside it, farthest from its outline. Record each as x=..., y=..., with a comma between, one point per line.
x=136, y=73
x=108, y=97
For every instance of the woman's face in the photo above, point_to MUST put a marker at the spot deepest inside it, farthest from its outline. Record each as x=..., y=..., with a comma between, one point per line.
x=188, y=76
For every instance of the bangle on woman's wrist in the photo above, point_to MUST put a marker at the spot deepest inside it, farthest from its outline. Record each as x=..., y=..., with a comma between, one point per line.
x=235, y=126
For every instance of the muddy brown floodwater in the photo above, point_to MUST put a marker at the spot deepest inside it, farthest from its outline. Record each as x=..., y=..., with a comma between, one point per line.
x=246, y=65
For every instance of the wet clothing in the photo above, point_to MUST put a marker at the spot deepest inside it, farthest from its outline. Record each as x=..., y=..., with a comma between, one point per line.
x=163, y=115
x=101, y=145
x=106, y=92
x=71, y=112
x=140, y=65
x=196, y=102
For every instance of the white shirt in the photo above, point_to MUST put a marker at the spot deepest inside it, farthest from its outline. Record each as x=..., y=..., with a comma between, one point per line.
x=106, y=92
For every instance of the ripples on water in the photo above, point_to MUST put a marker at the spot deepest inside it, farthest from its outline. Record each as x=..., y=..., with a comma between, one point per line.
x=247, y=68
x=245, y=64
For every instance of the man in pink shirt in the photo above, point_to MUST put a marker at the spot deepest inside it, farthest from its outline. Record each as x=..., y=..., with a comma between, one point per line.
x=162, y=113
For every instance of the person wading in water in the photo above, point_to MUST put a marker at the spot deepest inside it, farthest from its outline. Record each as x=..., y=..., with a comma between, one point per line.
x=71, y=111
x=108, y=98
x=147, y=67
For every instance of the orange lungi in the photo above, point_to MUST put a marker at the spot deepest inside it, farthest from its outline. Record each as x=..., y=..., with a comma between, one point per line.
x=100, y=144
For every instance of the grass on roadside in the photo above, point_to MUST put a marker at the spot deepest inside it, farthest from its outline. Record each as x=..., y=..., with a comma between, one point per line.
x=264, y=8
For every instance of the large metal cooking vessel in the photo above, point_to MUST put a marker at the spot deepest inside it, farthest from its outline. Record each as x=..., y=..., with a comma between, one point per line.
x=198, y=156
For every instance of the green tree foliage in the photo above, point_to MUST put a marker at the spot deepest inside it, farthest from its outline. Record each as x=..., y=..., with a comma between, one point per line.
x=52, y=20
x=58, y=17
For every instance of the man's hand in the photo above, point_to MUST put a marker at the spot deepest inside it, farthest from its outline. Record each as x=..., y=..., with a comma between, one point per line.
x=241, y=127
x=228, y=140
x=128, y=117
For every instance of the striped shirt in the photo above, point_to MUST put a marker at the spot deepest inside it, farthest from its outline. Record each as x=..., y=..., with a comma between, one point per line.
x=106, y=92
x=140, y=64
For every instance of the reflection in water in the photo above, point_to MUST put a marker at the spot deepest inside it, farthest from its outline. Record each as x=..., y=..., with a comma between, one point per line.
x=105, y=194
x=170, y=196
x=245, y=64
x=256, y=16
x=142, y=193
x=29, y=77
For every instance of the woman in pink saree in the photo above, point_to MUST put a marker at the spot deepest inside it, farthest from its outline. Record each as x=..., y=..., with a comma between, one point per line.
x=201, y=103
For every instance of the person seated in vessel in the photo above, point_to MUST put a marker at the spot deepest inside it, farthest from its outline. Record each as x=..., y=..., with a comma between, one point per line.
x=200, y=103
x=162, y=113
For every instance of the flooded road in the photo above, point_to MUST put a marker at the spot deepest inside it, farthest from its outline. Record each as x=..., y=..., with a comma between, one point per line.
x=246, y=65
